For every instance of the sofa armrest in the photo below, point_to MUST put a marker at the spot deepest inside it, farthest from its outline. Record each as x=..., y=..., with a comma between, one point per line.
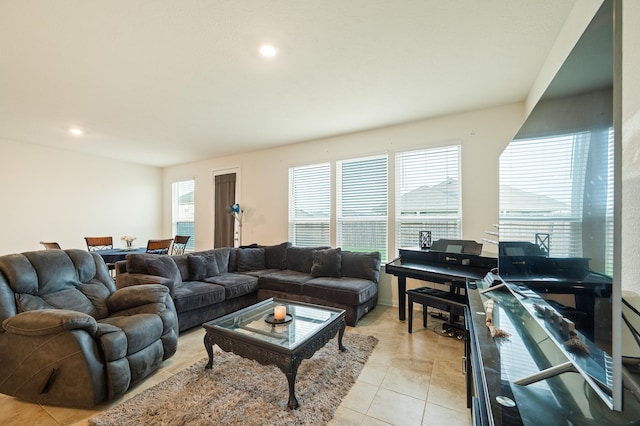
x=126, y=279
x=49, y=321
x=136, y=296
x=121, y=266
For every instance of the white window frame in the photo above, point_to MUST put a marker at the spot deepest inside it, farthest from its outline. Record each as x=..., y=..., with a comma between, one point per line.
x=182, y=211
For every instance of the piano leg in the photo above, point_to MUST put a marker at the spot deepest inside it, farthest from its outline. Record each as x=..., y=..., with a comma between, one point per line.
x=402, y=297
x=410, y=322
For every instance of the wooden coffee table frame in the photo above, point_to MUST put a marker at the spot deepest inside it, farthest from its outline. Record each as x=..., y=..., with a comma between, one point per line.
x=287, y=360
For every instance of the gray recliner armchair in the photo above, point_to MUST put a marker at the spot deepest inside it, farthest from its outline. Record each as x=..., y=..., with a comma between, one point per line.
x=69, y=338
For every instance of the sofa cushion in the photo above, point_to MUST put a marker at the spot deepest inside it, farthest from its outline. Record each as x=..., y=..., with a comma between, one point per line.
x=202, y=266
x=164, y=266
x=287, y=281
x=235, y=285
x=361, y=265
x=71, y=299
x=301, y=258
x=221, y=257
x=56, y=271
x=197, y=294
x=97, y=295
x=251, y=259
x=135, y=263
x=275, y=257
x=349, y=291
x=260, y=272
x=29, y=302
x=233, y=260
x=182, y=262
x=326, y=263
x=141, y=330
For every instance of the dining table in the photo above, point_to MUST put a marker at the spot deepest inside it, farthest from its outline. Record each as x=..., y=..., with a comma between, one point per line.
x=115, y=254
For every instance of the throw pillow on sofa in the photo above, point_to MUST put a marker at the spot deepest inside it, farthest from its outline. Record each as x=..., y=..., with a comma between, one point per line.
x=201, y=267
x=135, y=263
x=275, y=257
x=361, y=265
x=251, y=259
x=326, y=263
x=301, y=258
x=220, y=256
x=164, y=266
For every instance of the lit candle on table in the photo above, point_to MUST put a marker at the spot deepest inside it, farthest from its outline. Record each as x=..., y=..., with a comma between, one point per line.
x=279, y=313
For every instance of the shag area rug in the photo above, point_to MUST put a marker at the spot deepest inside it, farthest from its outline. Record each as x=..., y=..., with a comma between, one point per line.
x=237, y=391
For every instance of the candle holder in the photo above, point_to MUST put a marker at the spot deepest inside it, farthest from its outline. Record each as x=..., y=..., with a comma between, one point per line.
x=279, y=316
x=425, y=240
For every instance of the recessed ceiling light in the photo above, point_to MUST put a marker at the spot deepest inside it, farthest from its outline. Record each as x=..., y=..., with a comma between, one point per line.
x=76, y=131
x=268, y=50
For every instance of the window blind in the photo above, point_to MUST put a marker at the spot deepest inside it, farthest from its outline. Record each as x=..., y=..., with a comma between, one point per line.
x=183, y=208
x=428, y=195
x=310, y=205
x=361, y=204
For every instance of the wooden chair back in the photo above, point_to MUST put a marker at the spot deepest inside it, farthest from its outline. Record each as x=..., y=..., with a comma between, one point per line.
x=179, y=244
x=99, y=243
x=159, y=246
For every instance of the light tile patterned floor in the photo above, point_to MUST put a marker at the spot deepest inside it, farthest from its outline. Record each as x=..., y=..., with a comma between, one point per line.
x=410, y=379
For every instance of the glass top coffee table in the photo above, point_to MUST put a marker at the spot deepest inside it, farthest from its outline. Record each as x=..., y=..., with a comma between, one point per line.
x=252, y=333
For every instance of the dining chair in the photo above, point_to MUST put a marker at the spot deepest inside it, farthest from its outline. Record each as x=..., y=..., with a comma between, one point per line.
x=99, y=243
x=52, y=245
x=179, y=244
x=159, y=246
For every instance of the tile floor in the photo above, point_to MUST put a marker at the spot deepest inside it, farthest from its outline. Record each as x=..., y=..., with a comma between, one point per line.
x=409, y=379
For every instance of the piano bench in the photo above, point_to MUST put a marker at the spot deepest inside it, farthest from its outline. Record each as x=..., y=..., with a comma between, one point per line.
x=443, y=300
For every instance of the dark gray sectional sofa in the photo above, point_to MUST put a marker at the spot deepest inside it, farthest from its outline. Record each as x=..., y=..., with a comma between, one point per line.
x=208, y=284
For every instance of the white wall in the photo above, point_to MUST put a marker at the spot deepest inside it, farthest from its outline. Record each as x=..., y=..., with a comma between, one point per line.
x=264, y=174
x=57, y=195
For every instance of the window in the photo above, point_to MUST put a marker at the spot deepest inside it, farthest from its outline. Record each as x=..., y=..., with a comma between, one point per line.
x=361, y=204
x=556, y=193
x=428, y=198
x=428, y=195
x=183, y=208
x=310, y=205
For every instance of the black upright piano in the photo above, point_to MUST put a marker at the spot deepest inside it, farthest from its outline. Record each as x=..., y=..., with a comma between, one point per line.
x=451, y=263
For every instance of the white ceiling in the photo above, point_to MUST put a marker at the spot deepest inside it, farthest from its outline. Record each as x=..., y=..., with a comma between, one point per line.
x=167, y=82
